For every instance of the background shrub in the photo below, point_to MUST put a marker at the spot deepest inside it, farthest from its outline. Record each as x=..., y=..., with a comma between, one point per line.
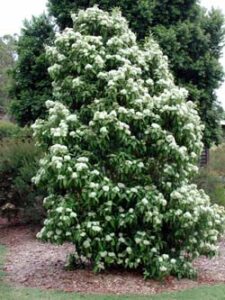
x=8, y=129
x=18, y=164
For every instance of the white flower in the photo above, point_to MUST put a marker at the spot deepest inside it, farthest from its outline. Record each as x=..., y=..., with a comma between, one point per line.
x=39, y=235
x=74, y=175
x=100, y=115
x=108, y=238
x=61, y=177
x=67, y=157
x=95, y=172
x=113, y=113
x=123, y=92
x=103, y=253
x=94, y=185
x=81, y=166
x=58, y=231
x=134, y=190
x=72, y=118
x=116, y=189
x=163, y=202
x=140, y=165
x=59, y=209
x=73, y=133
x=121, y=185
x=122, y=240
x=83, y=159
x=99, y=61
x=178, y=212
x=173, y=261
x=163, y=269
x=105, y=188
x=88, y=67
x=76, y=82
x=147, y=112
x=58, y=149
x=96, y=228
x=49, y=104
x=122, y=110
x=165, y=256
x=104, y=130
x=146, y=242
x=86, y=244
x=144, y=201
x=49, y=234
x=176, y=195
x=139, y=114
x=129, y=250
x=187, y=215
x=92, y=195
x=160, y=259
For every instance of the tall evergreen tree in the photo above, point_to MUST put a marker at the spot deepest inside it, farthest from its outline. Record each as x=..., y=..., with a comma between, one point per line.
x=191, y=38
x=32, y=85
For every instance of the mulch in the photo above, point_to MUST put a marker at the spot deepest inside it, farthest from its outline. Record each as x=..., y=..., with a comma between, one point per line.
x=32, y=263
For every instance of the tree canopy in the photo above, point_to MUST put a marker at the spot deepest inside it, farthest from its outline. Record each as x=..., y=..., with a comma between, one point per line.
x=32, y=85
x=191, y=38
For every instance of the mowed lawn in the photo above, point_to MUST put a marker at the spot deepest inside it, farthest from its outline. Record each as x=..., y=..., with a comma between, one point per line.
x=9, y=293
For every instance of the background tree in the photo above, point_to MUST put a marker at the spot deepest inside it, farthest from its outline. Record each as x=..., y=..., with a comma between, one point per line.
x=32, y=85
x=7, y=61
x=191, y=38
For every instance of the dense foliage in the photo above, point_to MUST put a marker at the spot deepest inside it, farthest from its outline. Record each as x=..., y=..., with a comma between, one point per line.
x=8, y=130
x=190, y=38
x=32, y=85
x=18, y=164
x=141, y=14
x=121, y=144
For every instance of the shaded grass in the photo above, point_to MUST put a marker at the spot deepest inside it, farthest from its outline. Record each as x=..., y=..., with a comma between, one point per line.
x=8, y=292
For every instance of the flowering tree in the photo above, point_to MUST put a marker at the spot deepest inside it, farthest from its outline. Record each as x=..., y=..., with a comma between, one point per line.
x=121, y=144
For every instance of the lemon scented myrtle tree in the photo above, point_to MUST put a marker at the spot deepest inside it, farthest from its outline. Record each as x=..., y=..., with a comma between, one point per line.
x=121, y=145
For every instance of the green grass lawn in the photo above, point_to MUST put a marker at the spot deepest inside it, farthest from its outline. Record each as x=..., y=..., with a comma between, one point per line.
x=9, y=293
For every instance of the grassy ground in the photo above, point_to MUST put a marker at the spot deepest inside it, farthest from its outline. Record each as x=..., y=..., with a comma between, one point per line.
x=10, y=293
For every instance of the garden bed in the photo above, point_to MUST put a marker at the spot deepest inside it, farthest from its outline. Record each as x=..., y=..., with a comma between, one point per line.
x=31, y=263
